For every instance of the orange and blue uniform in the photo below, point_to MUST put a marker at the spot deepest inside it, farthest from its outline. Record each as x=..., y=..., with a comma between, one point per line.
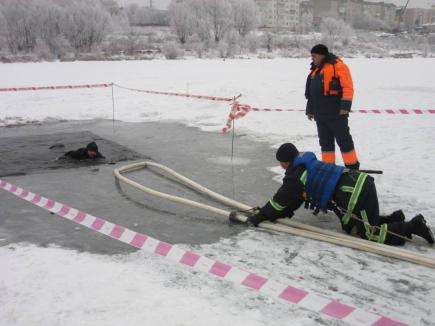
x=329, y=89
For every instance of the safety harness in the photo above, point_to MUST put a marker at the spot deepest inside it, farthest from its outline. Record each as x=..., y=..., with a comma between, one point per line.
x=356, y=192
x=320, y=180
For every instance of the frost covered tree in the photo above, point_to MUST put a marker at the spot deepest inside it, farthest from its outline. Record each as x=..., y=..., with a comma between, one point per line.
x=305, y=26
x=53, y=25
x=306, y=23
x=245, y=16
x=20, y=26
x=112, y=7
x=182, y=20
x=212, y=20
x=230, y=45
x=171, y=51
x=369, y=23
x=144, y=16
x=334, y=31
x=252, y=43
x=86, y=24
x=219, y=13
x=2, y=31
x=50, y=18
x=132, y=12
x=201, y=23
x=269, y=40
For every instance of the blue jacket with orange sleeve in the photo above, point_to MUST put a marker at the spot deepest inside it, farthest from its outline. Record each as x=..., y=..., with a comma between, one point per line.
x=329, y=89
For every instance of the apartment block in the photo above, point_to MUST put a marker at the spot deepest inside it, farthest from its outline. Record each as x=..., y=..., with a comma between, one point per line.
x=418, y=17
x=349, y=10
x=381, y=10
x=279, y=14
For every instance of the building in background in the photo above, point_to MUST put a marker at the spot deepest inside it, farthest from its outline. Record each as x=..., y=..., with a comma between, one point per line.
x=279, y=14
x=350, y=10
x=418, y=18
x=285, y=14
x=305, y=7
x=380, y=10
x=338, y=9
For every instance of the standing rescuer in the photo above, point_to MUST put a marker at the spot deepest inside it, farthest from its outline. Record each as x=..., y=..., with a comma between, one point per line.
x=329, y=91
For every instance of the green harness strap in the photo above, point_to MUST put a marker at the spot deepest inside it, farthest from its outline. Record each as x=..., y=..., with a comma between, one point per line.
x=356, y=192
x=354, y=197
x=371, y=231
x=304, y=177
x=347, y=189
x=279, y=207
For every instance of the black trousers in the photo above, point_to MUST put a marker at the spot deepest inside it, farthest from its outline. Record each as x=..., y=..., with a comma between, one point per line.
x=368, y=203
x=337, y=129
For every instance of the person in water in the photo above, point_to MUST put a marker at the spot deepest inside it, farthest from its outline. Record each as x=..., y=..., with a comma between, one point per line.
x=90, y=152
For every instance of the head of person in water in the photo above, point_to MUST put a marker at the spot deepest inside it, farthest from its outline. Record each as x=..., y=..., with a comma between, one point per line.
x=92, y=149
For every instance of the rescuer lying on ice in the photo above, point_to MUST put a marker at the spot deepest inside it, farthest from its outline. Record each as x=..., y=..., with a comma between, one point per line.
x=350, y=194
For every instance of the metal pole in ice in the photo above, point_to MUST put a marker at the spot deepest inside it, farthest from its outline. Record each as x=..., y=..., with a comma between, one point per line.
x=113, y=108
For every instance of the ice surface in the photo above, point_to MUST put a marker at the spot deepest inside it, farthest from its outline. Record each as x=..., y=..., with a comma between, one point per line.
x=51, y=286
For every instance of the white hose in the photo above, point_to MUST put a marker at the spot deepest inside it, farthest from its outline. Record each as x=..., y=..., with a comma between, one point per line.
x=283, y=225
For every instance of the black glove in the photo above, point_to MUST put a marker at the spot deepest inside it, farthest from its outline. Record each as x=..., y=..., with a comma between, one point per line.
x=309, y=109
x=256, y=219
x=345, y=105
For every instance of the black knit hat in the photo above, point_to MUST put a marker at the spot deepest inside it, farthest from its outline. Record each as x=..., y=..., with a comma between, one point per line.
x=92, y=147
x=320, y=49
x=287, y=153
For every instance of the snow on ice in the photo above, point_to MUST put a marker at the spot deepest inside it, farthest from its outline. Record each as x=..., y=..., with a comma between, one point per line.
x=50, y=286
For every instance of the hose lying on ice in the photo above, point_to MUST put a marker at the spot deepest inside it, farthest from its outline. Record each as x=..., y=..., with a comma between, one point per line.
x=282, y=225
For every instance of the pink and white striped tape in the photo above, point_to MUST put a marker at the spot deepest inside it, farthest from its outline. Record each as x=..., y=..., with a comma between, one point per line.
x=244, y=107
x=376, y=111
x=237, y=111
x=289, y=293
x=240, y=110
x=45, y=88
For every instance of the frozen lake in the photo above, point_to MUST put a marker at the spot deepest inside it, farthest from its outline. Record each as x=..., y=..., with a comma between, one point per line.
x=48, y=266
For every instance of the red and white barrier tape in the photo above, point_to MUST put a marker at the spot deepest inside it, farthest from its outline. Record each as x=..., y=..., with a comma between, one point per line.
x=200, y=97
x=289, y=293
x=376, y=111
x=244, y=107
x=44, y=88
x=240, y=110
x=237, y=111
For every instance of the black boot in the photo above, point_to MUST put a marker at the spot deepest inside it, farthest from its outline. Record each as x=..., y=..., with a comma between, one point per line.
x=397, y=216
x=354, y=167
x=420, y=228
x=256, y=219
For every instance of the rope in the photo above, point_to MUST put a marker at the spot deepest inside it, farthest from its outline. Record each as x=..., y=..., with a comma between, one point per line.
x=200, y=97
x=355, y=217
x=113, y=108
x=285, y=226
